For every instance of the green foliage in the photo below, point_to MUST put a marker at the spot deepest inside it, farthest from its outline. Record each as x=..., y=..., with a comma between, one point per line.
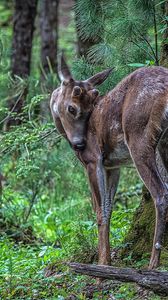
x=126, y=291
x=38, y=272
x=129, y=31
x=6, y=14
x=88, y=25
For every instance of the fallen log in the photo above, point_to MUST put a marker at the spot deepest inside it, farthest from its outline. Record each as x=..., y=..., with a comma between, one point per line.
x=150, y=279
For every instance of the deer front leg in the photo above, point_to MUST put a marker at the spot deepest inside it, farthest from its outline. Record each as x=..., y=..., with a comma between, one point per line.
x=103, y=186
x=111, y=179
x=145, y=162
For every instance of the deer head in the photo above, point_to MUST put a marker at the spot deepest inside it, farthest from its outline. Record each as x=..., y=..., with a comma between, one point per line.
x=74, y=103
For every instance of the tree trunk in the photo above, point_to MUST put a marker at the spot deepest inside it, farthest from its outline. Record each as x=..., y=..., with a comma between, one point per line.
x=49, y=47
x=140, y=236
x=164, y=46
x=139, y=239
x=154, y=280
x=23, y=28
x=49, y=35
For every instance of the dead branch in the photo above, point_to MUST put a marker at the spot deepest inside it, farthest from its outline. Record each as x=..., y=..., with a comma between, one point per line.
x=150, y=279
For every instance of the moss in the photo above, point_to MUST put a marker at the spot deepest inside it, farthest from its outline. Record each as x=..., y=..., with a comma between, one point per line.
x=164, y=54
x=139, y=240
x=164, y=259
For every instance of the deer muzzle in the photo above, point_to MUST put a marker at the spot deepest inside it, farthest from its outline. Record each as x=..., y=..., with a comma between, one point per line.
x=78, y=144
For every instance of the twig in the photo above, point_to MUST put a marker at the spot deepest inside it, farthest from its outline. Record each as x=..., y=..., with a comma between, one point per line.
x=142, y=49
x=147, y=42
x=13, y=108
x=31, y=205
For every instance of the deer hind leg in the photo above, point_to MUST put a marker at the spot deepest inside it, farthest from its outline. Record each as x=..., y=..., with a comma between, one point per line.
x=145, y=162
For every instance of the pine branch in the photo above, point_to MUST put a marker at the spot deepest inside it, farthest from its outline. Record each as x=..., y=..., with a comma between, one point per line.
x=147, y=52
x=147, y=42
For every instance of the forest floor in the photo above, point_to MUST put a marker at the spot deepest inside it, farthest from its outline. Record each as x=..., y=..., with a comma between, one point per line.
x=38, y=272
x=35, y=267
x=62, y=228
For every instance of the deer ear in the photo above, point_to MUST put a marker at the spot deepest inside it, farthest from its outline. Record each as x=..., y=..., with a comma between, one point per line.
x=100, y=77
x=63, y=69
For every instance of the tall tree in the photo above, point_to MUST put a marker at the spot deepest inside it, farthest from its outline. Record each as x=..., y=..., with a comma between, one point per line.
x=49, y=35
x=49, y=47
x=23, y=28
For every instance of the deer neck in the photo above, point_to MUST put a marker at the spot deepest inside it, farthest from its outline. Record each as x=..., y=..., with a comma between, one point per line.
x=106, y=125
x=106, y=118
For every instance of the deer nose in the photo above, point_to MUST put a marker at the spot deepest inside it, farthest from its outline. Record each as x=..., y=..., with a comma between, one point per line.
x=79, y=144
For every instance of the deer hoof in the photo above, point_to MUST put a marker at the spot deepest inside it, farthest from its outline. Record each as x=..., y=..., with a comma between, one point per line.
x=158, y=246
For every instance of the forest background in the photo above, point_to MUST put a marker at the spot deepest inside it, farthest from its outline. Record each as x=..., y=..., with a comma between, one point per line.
x=46, y=218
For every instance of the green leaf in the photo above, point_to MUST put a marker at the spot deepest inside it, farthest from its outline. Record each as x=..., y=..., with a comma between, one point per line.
x=136, y=65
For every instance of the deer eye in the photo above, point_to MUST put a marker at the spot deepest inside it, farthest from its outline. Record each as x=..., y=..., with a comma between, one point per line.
x=72, y=110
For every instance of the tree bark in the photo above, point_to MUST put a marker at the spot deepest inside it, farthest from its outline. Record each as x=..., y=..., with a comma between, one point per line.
x=140, y=236
x=139, y=239
x=49, y=47
x=23, y=28
x=49, y=35
x=154, y=280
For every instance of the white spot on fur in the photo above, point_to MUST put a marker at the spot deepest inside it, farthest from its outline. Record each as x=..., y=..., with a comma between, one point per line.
x=55, y=108
x=101, y=111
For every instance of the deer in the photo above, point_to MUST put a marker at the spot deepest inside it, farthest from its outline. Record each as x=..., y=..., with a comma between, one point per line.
x=128, y=125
